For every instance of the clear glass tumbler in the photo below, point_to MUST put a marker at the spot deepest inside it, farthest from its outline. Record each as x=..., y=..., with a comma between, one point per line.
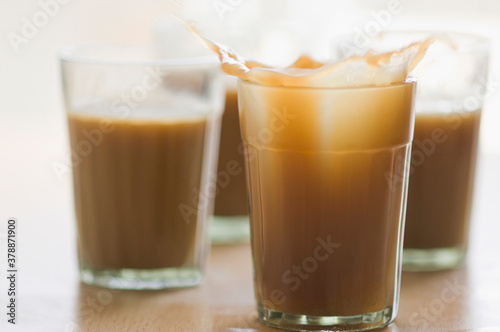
x=453, y=85
x=327, y=172
x=230, y=223
x=144, y=133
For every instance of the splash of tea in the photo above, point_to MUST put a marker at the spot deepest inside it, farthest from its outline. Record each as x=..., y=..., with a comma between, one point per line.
x=371, y=69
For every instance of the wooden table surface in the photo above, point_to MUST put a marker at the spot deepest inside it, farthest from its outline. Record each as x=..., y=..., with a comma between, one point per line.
x=50, y=297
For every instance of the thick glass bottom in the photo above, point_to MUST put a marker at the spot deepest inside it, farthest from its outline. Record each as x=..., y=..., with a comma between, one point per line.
x=294, y=322
x=142, y=279
x=230, y=229
x=432, y=259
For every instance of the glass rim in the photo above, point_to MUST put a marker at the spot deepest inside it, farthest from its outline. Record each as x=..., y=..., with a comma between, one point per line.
x=474, y=43
x=410, y=80
x=131, y=55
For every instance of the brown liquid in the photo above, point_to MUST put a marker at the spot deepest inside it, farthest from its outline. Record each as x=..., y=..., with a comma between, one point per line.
x=442, y=180
x=311, y=184
x=232, y=196
x=328, y=176
x=128, y=190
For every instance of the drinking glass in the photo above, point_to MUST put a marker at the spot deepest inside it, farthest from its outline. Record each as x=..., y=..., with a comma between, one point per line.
x=327, y=171
x=453, y=85
x=144, y=133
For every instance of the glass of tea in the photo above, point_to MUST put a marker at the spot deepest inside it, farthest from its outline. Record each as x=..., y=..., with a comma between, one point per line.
x=144, y=133
x=452, y=88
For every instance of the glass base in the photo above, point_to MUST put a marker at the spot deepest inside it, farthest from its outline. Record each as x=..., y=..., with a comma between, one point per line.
x=230, y=229
x=142, y=279
x=432, y=259
x=294, y=322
